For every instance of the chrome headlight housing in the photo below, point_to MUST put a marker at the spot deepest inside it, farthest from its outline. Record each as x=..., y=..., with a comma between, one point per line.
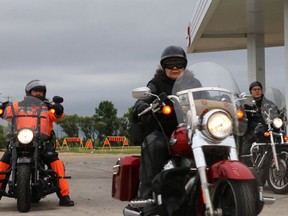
x=217, y=124
x=25, y=136
x=277, y=122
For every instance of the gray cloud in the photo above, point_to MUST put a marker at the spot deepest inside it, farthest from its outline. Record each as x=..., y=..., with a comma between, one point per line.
x=93, y=50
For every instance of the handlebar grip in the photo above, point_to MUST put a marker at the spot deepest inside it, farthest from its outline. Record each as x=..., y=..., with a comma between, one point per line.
x=145, y=111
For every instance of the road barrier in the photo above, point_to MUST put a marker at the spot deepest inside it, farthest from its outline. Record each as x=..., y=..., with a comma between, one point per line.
x=109, y=139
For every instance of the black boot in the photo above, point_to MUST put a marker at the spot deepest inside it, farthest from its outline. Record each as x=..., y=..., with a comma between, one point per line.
x=66, y=201
x=1, y=193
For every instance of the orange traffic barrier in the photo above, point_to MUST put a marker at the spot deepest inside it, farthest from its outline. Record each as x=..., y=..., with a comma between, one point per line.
x=75, y=139
x=89, y=144
x=109, y=139
x=125, y=143
x=106, y=144
x=65, y=144
x=57, y=145
x=116, y=138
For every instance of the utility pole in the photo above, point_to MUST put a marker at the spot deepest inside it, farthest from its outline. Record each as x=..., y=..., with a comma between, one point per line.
x=8, y=97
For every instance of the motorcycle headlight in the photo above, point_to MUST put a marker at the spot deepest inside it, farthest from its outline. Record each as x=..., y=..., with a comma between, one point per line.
x=217, y=124
x=25, y=136
x=277, y=122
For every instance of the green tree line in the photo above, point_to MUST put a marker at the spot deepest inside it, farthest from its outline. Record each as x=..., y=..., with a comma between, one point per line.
x=103, y=123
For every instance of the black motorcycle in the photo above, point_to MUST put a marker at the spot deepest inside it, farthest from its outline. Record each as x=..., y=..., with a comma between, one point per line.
x=29, y=179
x=269, y=154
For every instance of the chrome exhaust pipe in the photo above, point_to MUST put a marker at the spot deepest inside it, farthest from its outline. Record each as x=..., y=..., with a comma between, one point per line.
x=137, y=204
x=141, y=203
x=268, y=200
x=129, y=212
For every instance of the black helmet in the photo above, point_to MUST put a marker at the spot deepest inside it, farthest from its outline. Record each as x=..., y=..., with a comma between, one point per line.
x=173, y=52
x=35, y=85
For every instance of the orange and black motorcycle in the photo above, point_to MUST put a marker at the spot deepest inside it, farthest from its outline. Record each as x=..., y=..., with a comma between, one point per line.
x=26, y=127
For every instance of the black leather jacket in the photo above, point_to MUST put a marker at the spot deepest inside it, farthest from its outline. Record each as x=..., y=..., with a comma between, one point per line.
x=254, y=118
x=158, y=84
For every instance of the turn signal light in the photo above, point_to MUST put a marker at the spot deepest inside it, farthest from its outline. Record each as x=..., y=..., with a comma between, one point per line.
x=1, y=111
x=285, y=138
x=267, y=134
x=240, y=114
x=52, y=111
x=166, y=110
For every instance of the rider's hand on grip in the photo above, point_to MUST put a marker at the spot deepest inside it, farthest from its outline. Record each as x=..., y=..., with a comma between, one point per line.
x=163, y=96
x=141, y=107
x=2, y=107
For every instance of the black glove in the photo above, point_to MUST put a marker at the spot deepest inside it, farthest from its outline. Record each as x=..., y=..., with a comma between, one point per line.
x=2, y=107
x=141, y=107
x=59, y=109
x=4, y=104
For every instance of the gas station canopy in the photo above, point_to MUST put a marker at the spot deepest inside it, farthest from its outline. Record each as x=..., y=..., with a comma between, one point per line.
x=218, y=25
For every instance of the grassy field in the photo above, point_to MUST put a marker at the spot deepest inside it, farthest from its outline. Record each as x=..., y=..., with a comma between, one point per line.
x=100, y=150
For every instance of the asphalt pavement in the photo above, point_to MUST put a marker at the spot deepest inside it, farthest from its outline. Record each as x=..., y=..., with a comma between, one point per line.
x=90, y=187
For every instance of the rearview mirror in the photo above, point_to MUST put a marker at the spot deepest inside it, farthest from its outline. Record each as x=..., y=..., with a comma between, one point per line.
x=141, y=92
x=246, y=98
x=58, y=99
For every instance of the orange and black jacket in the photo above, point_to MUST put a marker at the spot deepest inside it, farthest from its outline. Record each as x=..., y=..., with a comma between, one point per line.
x=26, y=117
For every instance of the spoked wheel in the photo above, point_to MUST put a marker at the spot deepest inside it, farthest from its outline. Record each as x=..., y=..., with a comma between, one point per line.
x=278, y=179
x=23, y=188
x=236, y=198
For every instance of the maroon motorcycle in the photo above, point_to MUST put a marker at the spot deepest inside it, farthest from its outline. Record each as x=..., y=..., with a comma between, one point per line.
x=203, y=175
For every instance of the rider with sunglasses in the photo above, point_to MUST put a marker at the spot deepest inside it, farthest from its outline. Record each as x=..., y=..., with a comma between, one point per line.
x=154, y=150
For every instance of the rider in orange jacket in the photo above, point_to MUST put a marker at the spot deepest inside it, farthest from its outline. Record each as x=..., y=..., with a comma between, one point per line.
x=37, y=88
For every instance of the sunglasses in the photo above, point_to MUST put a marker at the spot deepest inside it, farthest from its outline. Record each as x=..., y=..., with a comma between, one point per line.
x=176, y=64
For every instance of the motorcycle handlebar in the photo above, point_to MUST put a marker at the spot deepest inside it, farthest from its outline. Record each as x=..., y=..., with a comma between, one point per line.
x=145, y=111
x=158, y=102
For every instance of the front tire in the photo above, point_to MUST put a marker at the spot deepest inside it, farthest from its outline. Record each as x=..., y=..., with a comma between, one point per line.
x=236, y=198
x=23, y=188
x=278, y=179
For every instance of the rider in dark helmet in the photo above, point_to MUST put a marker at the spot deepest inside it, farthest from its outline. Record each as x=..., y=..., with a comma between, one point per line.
x=154, y=147
x=175, y=52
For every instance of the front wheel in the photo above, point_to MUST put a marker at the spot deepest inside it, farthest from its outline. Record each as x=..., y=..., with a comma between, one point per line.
x=236, y=198
x=278, y=179
x=23, y=188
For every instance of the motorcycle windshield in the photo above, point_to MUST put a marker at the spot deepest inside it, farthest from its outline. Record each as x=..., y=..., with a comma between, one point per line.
x=205, y=86
x=206, y=74
x=31, y=113
x=275, y=106
x=275, y=96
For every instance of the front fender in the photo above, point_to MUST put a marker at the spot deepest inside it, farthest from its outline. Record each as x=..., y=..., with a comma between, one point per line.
x=24, y=160
x=230, y=169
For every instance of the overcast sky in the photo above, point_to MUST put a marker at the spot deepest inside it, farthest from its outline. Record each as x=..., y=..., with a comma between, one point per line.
x=88, y=51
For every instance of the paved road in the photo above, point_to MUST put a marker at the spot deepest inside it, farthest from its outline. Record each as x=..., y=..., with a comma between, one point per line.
x=91, y=190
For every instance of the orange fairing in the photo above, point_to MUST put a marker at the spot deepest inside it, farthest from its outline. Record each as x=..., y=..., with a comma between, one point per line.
x=28, y=119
